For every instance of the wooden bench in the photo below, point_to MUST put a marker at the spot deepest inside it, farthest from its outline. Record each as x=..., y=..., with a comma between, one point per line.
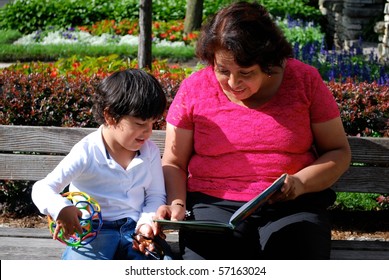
x=29, y=153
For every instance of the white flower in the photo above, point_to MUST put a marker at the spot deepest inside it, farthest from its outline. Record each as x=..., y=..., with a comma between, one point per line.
x=129, y=40
x=54, y=38
x=82, y=37
x=164, y=43
x=26, y=40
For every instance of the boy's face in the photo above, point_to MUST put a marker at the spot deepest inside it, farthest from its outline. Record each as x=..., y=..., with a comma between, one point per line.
x=131, y=133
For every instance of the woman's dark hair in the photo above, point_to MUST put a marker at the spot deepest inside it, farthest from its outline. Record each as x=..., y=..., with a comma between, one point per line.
x=248, y=31
x=132, y=92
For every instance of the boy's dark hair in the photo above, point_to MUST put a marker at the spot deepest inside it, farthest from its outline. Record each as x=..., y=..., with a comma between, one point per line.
x=132, y=92
x=248, y=31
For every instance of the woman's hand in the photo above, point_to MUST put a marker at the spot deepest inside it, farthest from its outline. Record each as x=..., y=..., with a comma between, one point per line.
x=291, y=189
x=174, y=212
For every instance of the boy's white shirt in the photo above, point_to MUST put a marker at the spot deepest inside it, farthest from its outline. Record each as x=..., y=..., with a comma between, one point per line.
x=135, y=192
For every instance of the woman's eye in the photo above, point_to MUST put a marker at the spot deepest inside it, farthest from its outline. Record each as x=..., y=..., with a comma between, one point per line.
x=224, y=72
x=245, y=73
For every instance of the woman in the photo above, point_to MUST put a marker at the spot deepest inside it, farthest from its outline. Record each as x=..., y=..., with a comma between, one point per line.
x=234, y=127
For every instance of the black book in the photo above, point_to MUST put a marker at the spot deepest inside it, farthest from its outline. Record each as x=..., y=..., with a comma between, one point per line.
x=240, y=215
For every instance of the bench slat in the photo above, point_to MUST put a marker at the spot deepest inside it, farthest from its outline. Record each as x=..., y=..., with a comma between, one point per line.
x=44, y=140
x=49, y=139
x=359, y=250
x=40, y=139
x=347, y=254
x=371, y=150
x=36, y=167
x=27, y=167
x=364, y=179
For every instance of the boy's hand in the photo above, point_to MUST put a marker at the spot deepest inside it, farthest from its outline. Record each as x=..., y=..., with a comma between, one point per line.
x=68, y=220
x=143, y=239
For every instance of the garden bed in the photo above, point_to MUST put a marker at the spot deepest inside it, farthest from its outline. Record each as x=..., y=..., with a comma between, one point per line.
x=360, y=225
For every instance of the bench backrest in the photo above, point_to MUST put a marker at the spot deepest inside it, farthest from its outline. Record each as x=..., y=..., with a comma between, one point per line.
x=31, y=152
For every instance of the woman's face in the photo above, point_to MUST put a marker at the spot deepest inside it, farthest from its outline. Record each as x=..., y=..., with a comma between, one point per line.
x=238, y=83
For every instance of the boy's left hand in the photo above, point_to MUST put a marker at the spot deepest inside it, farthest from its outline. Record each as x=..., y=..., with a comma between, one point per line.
x=143, y=239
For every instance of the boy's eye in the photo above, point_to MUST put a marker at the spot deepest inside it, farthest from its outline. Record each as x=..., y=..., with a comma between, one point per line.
x=147, y=122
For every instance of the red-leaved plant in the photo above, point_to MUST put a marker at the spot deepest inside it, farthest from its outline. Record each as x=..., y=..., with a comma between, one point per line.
x=364, y=107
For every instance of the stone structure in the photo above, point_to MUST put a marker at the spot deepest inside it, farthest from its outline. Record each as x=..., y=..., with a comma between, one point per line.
x=382, y=28
x=347, y=20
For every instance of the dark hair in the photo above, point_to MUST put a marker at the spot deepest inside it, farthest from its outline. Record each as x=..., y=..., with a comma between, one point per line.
x=248, y=31
x=132, y=92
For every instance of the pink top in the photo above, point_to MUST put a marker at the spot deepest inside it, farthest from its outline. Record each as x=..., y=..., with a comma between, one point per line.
x=238, y=152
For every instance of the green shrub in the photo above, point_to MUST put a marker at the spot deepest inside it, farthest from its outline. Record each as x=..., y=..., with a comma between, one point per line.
x=300, y=9
x=299, y=32
x=27, y=53
x=15, y=198
x=358, y=201
x=27, y=16
x=30, y=15
x=9, y=36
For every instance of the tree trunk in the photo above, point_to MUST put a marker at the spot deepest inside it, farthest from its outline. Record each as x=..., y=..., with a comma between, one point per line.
x=145, y=22
x=193, y=16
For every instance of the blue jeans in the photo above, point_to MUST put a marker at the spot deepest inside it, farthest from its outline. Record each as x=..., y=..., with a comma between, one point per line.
x=113, y=242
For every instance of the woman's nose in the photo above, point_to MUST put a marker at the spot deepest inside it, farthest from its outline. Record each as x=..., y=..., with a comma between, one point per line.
x=233, y=80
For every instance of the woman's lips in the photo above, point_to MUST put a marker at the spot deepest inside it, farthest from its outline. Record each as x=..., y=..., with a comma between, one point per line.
x=237, y=92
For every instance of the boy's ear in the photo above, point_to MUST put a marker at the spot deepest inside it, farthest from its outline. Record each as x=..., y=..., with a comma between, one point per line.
x=109, y=120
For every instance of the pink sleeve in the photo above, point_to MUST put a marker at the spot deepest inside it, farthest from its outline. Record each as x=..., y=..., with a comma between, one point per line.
x=323, y=104
x=179, y=111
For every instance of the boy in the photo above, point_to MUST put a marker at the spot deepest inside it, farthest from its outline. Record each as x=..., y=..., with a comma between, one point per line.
x=118, y=166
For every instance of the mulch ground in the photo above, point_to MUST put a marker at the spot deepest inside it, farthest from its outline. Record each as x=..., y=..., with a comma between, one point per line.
x=353, y=225
x=370, y=225
x=34, y=221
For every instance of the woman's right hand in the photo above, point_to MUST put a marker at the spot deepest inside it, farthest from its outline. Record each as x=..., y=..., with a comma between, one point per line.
x=174, y=212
